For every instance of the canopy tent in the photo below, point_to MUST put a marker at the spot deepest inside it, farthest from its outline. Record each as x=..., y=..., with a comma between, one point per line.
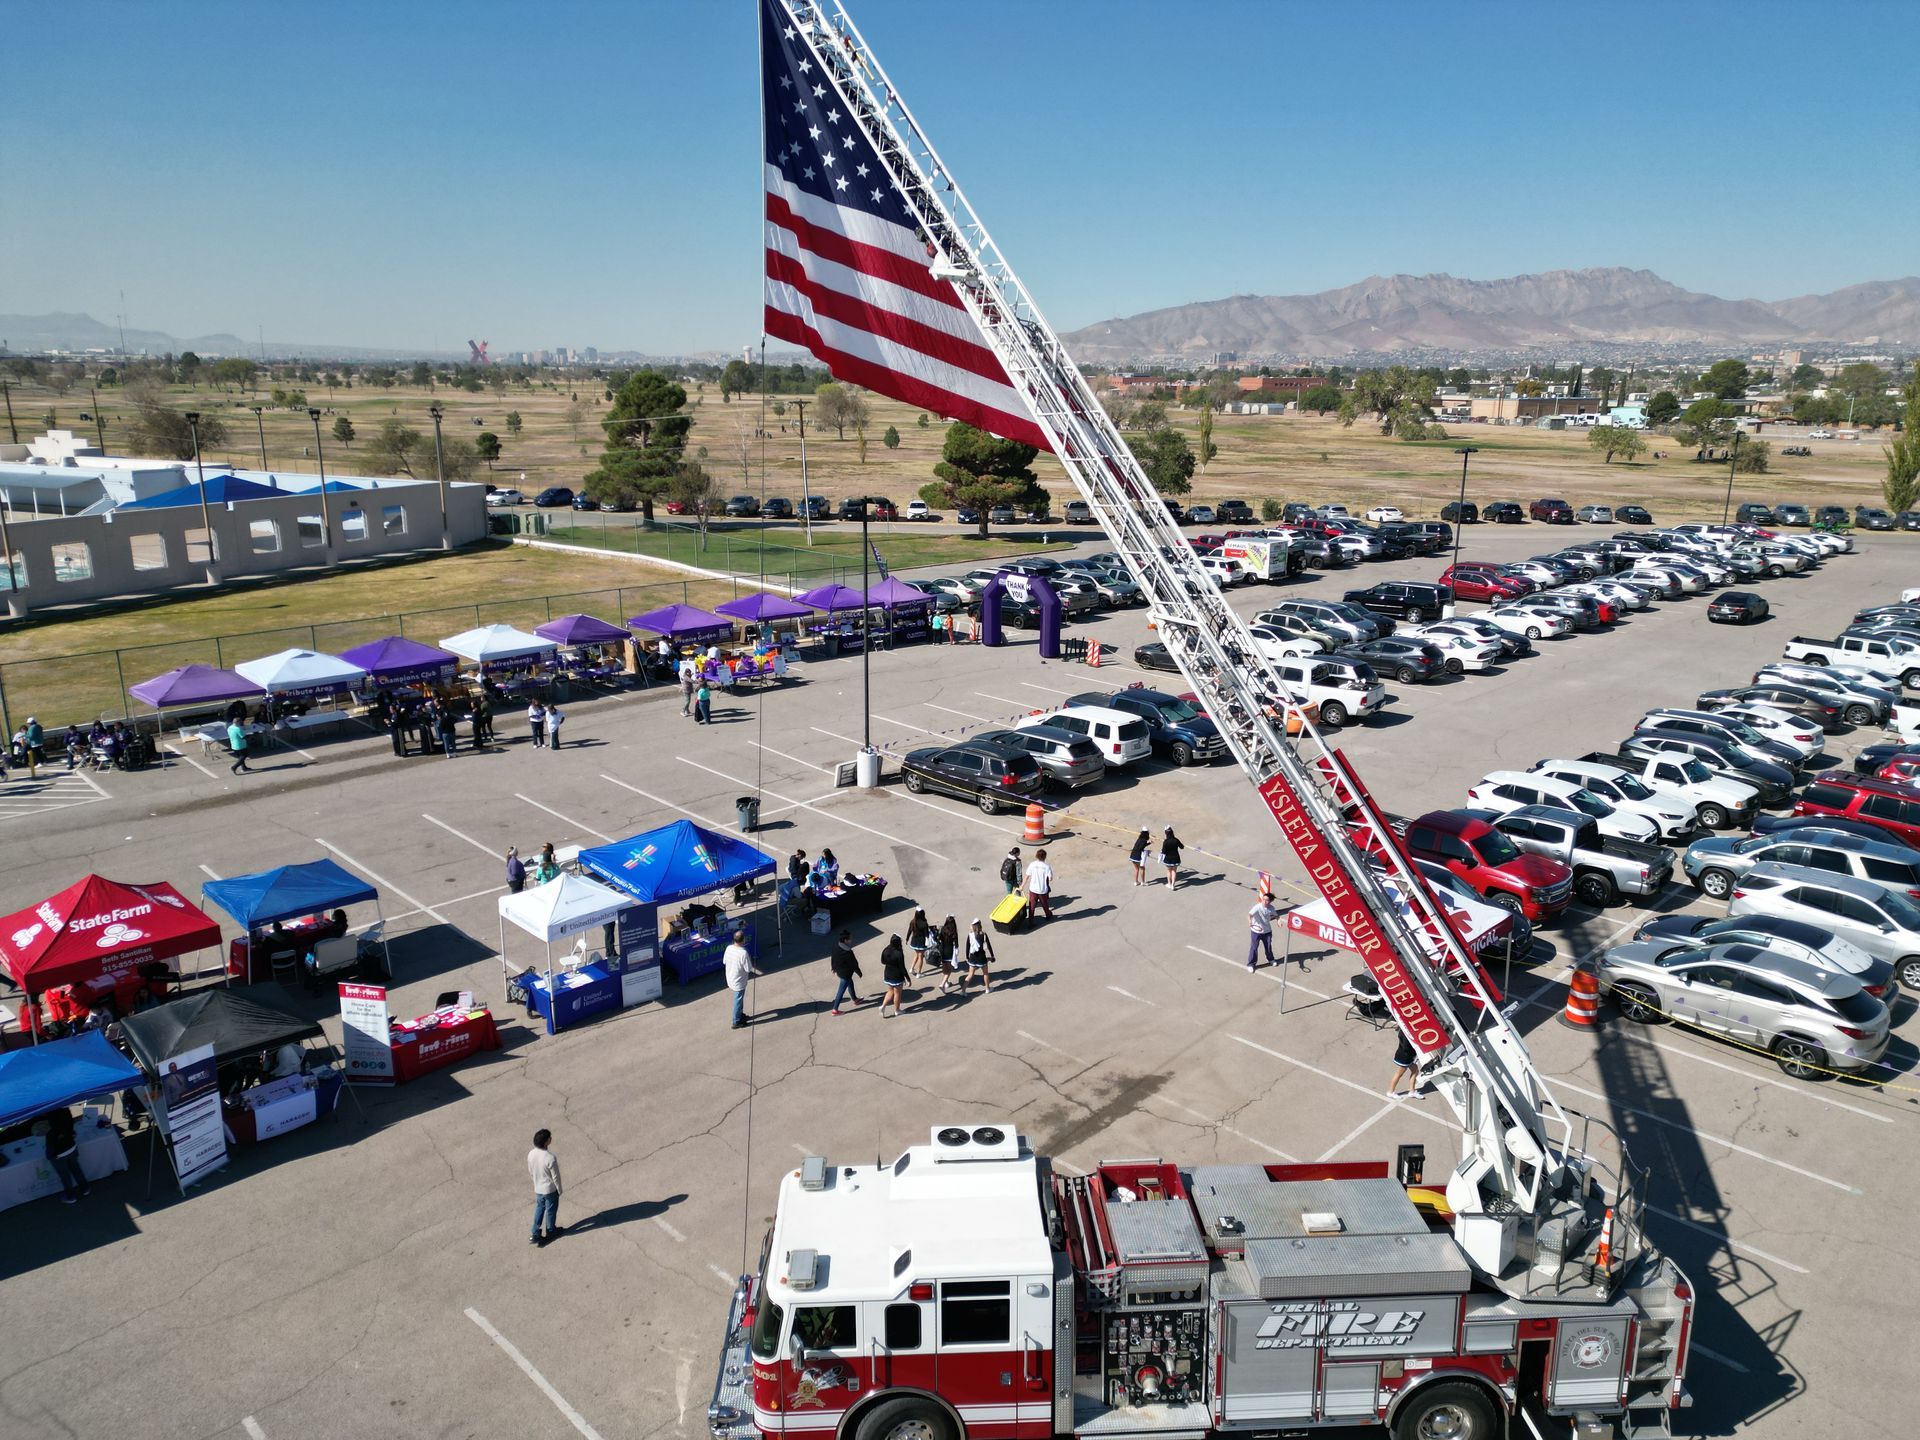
x=676, y=862
x=567, y=905
x=194, y=685
x=582, y=630
x=221, y=490
x=894, y=593
x=832, y=599
x=233, y=1022
x=99, y=928
x=287, y=891
x=332, y=487
x=762, y=606
x=498, y=645
x=684, y=622
x=59, y=1073
x=1479, y=926
x=397, y=658
x=293, y=671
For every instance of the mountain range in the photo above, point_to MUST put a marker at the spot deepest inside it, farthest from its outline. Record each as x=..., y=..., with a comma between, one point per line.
x=1552, y=312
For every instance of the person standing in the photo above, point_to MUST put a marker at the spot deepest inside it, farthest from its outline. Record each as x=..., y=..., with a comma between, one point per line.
x=63, y=1153
x=939, y=626
x=1039, y=887
x=1260, y=931
x=555, y=719
x=846, y=969
x=449, y=730
x=689, y=681
x=703, y=704
x=36, y=744
x=516, y=871
x=1137, y=857
x=893, y=974
x=397, y=728
x=977, y=956
x=549, y=866
x=482, y=720
x=1010, y=869
x=237, y=743
x=544, y=1167
x=1403, y=1057
x=946, y=952
x=537, y=721
x=740, y=969
x=919, y=937
x=1170, y=848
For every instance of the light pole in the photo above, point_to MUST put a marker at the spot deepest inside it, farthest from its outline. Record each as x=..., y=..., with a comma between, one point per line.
x=260, y=421
x=866, y=634
x=1460, y=511
x=326, y=514
x=1733, y=464
x=206, y=512
x=99, y=422
x=12, y=429
x=440, y=474
x=806, y=501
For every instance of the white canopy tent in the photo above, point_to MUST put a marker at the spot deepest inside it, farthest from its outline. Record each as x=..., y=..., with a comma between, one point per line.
x=568, y=905
x=498, y=645
x=297, y=670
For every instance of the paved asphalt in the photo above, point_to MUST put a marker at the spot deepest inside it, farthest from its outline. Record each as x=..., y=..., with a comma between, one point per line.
x=370, y=1276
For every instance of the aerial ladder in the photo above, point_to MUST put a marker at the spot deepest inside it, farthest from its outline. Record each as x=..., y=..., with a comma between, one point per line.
x=1530, y=1207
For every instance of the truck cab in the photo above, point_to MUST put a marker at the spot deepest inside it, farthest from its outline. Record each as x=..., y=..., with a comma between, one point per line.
x=1176, y=728
x=1889, y=657
x=1604, y=867
x=1489, y=863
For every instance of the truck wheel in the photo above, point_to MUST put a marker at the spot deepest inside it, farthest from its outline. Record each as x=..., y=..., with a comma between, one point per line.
x=1447, y=1411
x=1908, y=971
x=1858, y=715
x=1799, y=1059
x=907, y=1418
x=1182, y=753
x=1911, y=679
x=1815, y=660
x=1714, y=817
x=1716, y=883
x=1595, y=889
x=1333, y=715
x=1636, y=1004
x=916, y=784
x=1506, y=902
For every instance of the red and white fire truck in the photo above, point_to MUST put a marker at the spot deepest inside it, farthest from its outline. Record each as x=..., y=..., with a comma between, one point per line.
x=969, y=1291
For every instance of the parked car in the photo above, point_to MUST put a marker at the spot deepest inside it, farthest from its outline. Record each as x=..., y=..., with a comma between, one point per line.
x=1471, y=628
x=1672, y=809
x=1553, y=512
x=1488, y=863
x=1121, y=738
x=816, y=507
x=1882, y=921
x=1154, y=655
x=1891, y=658
x=1301, y=627
x=1773, y=782
x=1343, y=690
x=1753, y=513
x=1719, y=801
x=505, y=497
x=1815, y=944
x=991, y=776
x=1503, y=512
x=1738, y=607
x=585, y=502
x=1594, y=514
x=1380, y=514
x=1831, y=515
x=1908, y=519
x=920, y=510
x=1605, y=867
x=1633, y=515
x=1797, y=515
x=1715, y=863
x=777, y=507
x=1402, y=599
x=1460, y=513
x=1067, y=761
x=1862, y=702
x=1888, y=805
x=554, y=497
x=1527, y=619
x=1201, y=515
x=1728, y=730
x=1334, y=618
x=1459, y=650
x=1810, y=1020
x=1077, y=512
x=1176, y=728
x=1504, y=790
x=1483, y=582
x=743, y=507
x=1001, y=515
x=1234, y=512
x=1872, y=517
x=1408, y=661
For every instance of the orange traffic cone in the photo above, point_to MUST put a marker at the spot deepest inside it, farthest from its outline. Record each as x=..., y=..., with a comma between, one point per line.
x=1036, y=825
x=1093, y=653
x=1603, y=1258
x=1583, y=1000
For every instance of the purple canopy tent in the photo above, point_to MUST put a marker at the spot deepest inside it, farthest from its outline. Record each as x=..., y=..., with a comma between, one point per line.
x=832, y=598
x=684, y=622
x=763, y=607
x=194, y=685
x=895, y=594
x=581, y=630
x=396, y=659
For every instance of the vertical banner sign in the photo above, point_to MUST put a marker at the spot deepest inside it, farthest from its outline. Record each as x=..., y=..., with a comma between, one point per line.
x=363, y=1024
x=189, y=1101
x=1410, y=1009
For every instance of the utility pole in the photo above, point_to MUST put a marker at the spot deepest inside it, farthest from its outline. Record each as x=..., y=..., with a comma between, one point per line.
x=806, y=500
x=206, y=511
x=260, y=420
x=13, y=429
x=440, y=473
x=866, y=634
x=99, y=424
x=1460, y=512
x=1733, y=464
x=326, y=511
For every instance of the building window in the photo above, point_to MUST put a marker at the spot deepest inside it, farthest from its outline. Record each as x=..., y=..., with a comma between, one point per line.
x=148, y=552
x=976, y=1312
x=17, y=563
x=72, y=561
x=313, y=531
x=353, y=525
x=202, y=547
x=264, y=537
x=393, y=519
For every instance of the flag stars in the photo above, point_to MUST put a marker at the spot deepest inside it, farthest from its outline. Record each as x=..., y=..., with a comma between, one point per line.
x=799, y=107
x=786, y=82
x=808, y=172
x=814, y=132
x=847, y=141
x=819, y=92
x=828, y=159
x=841, y=182
x=806, y=67
x=861, y=172
x=833, y=117
x=877, y=197
x=788, y=32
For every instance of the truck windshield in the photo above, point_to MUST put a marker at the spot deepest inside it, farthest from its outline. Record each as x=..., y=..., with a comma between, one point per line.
x=1177, y=712
x=766, y=1330
x=1695, y=771
x=1494, y=848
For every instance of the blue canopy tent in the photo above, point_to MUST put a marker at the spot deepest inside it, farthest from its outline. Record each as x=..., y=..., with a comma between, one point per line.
x=256, y=901
x=676, y=862
x=60, y=1072
x=221, y=490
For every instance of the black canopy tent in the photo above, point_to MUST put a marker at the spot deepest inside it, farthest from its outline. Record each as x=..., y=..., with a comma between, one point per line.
x=234, y=1022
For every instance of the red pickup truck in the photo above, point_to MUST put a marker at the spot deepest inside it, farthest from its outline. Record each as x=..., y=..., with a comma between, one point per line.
x=1490, y=864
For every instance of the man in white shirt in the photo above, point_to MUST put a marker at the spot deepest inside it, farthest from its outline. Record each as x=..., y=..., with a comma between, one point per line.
x=544, y=1168
x=1039, y=886
x=1260, y=931
x=740, y=969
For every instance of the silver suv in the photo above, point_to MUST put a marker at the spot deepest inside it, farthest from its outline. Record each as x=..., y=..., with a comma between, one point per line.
x=1714, y=864
x=1067, y=760
x=1810, y=1020
x=1879, y=920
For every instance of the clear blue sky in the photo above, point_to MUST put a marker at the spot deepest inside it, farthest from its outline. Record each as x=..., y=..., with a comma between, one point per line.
x=576, y=173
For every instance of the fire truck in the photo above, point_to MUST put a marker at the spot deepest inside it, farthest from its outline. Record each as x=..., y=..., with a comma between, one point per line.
x=970, y=1290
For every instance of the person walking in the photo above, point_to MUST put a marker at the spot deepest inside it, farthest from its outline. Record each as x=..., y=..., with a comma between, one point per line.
x=846, y=969
x=740, y=969
x=893, y=974
x=946, y=952
x=537, y=721
x=1170, y=848
x=919, y=937
x=1137, y=857
x=1010, y=869
x=703, y=704
x=1260, y=931
x=63, y=1153
x=516, y=871
x=977, y=957
x=1403, y=1057
x=555, y=719
x=449, y=730
x=1039, y=887
x=689, y=681
x=237, y=743
x=544, y=1168
x=36, y=745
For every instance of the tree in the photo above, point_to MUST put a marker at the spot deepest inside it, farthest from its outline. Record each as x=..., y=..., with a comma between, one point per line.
x=1705, y=424
x=514, y=422
x=236, y=370
x=1726, y=379
x=646, y=436
x=1168, y=460
x=1271, y=509
x=395, y=449
x=1321, y=398
x=1149, y=415
x=860, y=437
x=1662, y=408
x=838, y=406
x=1753, y=458
x=1612, y=440
x=343, y=431
x=923, y=421
x=697, y=490
x=1395, y=396
x=187, y=367
x=1458, y=378
x=422, y=374
x=1858, y=382
x=1901, y=488
x=1574, y=381
x=736, y=379
x=576, y=415
x=162, y=432
x=487, y=446
x=979, y=471
x=891, y=439
x=1805, y=377
x=1207, y=448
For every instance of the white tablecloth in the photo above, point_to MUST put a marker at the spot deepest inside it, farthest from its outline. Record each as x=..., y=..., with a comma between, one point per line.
x=27, y=1175
x=282, y=1105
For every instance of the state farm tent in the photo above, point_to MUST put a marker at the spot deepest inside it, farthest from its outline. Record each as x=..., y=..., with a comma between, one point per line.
x=99, y=929
x=676, y=862
x=292, y=672
x=59, y=1073
x=233, y=1022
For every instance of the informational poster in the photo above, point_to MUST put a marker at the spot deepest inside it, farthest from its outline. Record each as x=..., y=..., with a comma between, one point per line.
x=189, y=1101
x=363, y=1024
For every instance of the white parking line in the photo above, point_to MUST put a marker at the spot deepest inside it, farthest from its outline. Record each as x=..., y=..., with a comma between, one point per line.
x=1413, y=1108
x=977, y=719
x=1730, y=1243
x=954, y=814
x=1044, y=1045
x=1696, y=1348
x=458, y=835
x=725, y=1278
x=564, y=819
x=1020, y=705
x=823, y=769
x=1360, y=1129
x=1129, y=994
x=456, y=900
x=661, y=1221
x=904, y=725
x=182, y=755
x=831, y=735
x=254, y=1432
x=809, y=805
x=574, y=1417
x=210, y=874
x=649, y=795
x=419, y=905
x=1050, y=689
x=1271, y=973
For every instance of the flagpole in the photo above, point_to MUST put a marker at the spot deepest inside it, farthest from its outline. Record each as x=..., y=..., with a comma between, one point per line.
x=866, y=633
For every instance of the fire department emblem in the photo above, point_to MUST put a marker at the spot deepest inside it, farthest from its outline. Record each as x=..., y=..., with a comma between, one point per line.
x=1591, y=1349
x=814, y=1379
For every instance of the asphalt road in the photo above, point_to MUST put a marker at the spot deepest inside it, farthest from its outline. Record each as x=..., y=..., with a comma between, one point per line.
x=370, y=1276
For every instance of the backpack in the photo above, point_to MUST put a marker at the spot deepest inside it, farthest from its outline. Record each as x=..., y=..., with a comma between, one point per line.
x=1010, y=870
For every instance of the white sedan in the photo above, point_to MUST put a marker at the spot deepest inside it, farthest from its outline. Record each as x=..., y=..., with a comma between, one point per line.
x=1623, y=596
x=505, y=497
x=1536, y=622
x=1461, y=652
x=1278, y=645
x=1780, y=726
x=1385, y=514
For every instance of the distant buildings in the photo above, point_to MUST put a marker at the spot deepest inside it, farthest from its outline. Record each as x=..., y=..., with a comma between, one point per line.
x=1278, y=384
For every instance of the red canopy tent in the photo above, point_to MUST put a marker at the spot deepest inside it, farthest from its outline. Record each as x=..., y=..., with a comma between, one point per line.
x=95, y=935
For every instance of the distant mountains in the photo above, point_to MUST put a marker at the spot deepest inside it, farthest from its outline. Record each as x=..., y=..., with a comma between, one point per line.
x=63, y=331
x=1551, y=312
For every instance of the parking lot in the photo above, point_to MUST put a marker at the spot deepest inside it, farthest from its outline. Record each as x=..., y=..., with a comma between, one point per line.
x=370, y=1276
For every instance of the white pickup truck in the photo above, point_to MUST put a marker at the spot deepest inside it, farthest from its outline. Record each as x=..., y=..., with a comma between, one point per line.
x=1890, y=657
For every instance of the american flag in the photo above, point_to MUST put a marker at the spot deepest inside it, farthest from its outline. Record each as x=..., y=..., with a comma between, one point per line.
x=848, y=267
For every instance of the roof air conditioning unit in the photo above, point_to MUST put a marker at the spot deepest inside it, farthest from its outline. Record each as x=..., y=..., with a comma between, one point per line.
x=975, y=1142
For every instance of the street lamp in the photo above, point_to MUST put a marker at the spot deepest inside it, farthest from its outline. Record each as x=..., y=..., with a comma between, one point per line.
x=326, y=515
x=206, y=513
x=1460, y=511
x=99, y=421
x=806, y=500
x=259, y=419
x=13, y=429
x=440, y=473
x=866, y=632
x=1733, y=464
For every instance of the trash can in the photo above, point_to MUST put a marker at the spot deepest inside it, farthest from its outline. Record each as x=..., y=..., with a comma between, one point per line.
x=866, y=772
x=746, y=811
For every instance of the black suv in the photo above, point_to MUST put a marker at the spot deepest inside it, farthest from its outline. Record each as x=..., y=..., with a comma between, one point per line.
x=1233, y=512
x=1419, y=539
x=1460, y=512
x=1402, y=599
x=1503, y=512
x=743, y=507
x=1753, y=513
x=1408, y=661
x=554, y=497
x=778, y=507
x=1867, y=517
x=1633, y=514
x=989, y=776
